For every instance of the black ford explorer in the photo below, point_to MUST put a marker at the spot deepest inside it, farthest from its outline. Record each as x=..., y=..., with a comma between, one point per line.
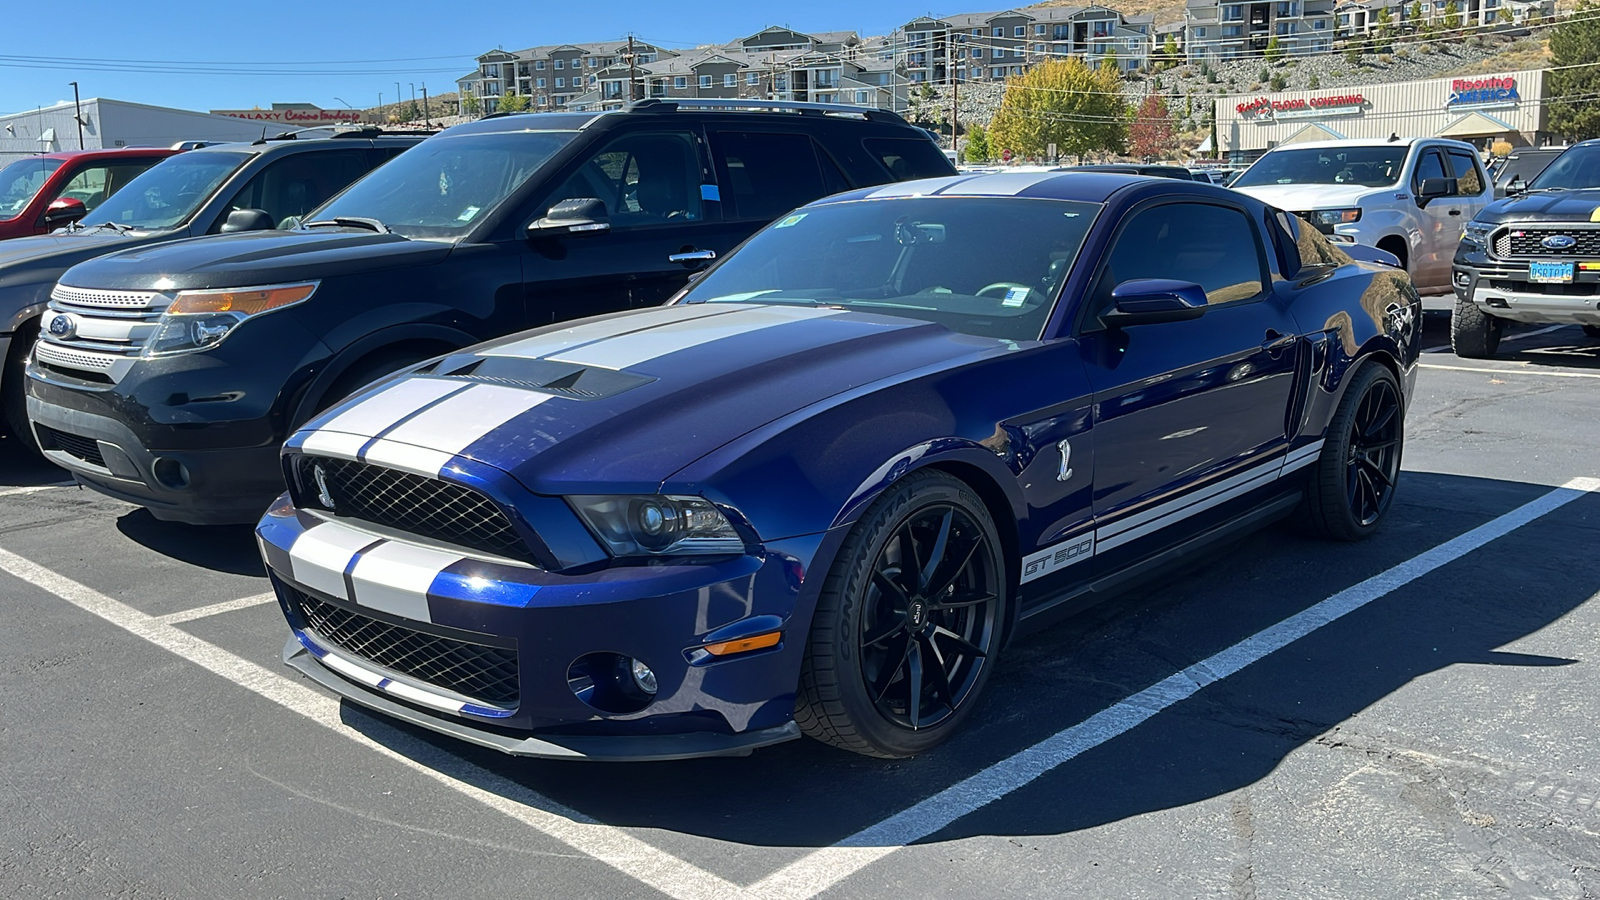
x=205, y=354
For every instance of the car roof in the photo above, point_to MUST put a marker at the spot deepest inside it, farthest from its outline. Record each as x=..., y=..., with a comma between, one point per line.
x=1082, y=186
x=105, y=153
x=1368, y=142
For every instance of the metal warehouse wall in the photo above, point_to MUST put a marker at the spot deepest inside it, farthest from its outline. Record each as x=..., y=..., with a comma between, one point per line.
x=115, y=123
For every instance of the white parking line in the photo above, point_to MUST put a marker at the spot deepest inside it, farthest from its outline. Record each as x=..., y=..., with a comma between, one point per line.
x=612, y=846
x=1510, y=371
x=216, y=609
x=816, y=872
x=34, y=488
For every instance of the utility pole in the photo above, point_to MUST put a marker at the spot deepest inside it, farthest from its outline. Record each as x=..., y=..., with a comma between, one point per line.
x=633, y=72
x=397, y=99
x=426, y=116
x=955, y=111
x=77, y=113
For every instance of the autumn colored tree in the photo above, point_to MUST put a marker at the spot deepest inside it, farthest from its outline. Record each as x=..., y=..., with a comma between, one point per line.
x=1151, y=133
x=1061, y=102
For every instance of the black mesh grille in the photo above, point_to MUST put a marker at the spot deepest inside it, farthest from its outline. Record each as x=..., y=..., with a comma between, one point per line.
x=84, y=448
x=1529, y=242
x=410, y=503
x=478, y=671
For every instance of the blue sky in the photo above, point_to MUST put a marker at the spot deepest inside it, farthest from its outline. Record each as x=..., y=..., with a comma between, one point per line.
x=241, y=53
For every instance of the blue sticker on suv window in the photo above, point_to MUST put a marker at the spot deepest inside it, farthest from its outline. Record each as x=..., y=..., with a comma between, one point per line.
x=709, y=192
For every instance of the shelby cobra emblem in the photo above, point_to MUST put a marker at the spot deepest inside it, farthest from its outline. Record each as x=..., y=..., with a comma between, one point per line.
x=322, y=487
x=1559, y=242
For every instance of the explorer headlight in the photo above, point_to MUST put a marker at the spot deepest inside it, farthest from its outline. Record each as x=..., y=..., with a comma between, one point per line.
x=1336, y=216
x=656, y=525
x=1475, y=236
x=199, y=320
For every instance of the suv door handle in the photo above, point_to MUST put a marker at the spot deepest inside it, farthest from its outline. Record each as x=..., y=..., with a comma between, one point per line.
x=1455, y=212
x=693, y=256
x=1277, y=342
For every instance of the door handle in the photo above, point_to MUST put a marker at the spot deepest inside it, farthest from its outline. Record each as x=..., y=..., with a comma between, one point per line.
x=693, y=256
x=1455, y=212
x=1277, y=342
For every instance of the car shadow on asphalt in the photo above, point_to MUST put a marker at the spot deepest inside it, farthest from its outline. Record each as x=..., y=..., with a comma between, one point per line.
x=221, y=548
x=1229, y=735
x=22, y=467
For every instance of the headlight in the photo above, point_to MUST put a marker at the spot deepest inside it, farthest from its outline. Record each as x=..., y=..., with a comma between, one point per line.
x=199, y=320
x=1337, y=216
x=1475, y=235
x=658, y=525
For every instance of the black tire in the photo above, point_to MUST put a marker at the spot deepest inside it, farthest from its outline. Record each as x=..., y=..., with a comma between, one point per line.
x=1352, y=483
x=1474, y=334
x=1592, y=331
x=874, y=607
x=13, y=398
x=364, y=373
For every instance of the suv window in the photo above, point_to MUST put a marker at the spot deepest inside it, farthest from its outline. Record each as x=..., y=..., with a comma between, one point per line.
x=907, y=159
x=293, y=186
x=1212, y=246
x=1428, y=166
x=1469, y=179
x=95, y=183
x=643, y=179
x=768, y=174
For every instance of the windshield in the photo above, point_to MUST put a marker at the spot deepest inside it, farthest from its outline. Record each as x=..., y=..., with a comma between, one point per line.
x=442, y=186
x=1523, y=167
x=1573, y=170
x=20, y=181
x=1365, y=166
x=169, y=192
x=983, y=266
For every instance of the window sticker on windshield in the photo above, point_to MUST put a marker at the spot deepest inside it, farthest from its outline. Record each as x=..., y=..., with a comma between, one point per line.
x=792, y=220
x=1015, y=296
x=467, y=214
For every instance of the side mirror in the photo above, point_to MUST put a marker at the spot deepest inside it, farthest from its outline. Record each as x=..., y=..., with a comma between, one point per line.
x=64, y=211
x=1146, y=301
x=585, y=215
x=1434, y=188
x=247, y=220
x=1516, y=185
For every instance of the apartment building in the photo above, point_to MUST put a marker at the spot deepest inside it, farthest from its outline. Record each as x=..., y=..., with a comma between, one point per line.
x=1223, y=29
x=550, y=76
x=992, y=46
x=1362, y=17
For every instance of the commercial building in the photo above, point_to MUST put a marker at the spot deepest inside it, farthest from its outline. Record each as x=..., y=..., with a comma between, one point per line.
x=113, y=123
x=1479, y=109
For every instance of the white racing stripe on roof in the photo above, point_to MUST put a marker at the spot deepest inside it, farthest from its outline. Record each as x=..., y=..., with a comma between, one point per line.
x=920, y=188
x=456, y=423
x=589, y=332
x=388, y=406
x=1004, y=184
x=632, y=349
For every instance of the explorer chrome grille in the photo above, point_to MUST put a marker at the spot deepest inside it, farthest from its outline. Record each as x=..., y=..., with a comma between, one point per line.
x=410, y=503
x=475, y=671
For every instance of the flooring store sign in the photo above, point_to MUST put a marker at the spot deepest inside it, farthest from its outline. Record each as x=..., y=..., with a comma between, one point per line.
x=1482, y=93
x=1264, y=109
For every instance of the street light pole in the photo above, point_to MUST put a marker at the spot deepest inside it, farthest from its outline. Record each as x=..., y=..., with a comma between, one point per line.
x=397, y=98
x=77, y=113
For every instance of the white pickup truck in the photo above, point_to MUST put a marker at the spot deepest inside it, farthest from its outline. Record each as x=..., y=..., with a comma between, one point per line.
x=1409, y=196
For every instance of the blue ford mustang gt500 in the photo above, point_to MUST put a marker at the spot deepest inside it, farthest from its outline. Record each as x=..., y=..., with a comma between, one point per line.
x=819, y=490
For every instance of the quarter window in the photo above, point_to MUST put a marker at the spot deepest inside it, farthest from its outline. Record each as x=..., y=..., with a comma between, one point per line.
x=292, y=187
x=770, y=174
x=1212, y=246
x=96, y=183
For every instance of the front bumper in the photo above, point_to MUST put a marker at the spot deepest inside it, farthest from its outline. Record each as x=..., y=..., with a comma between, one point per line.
x=1502, y=289
x=421, y=596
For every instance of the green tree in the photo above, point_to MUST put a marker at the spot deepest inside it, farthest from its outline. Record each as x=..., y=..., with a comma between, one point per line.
x=1061, y=102
x=1385, y=32
x=1352, y=51
x=1313, y=82
x=1151, y=132
x=1273, y=53
x=1415, y=15
x=471, y=105
x=1278, y=82
x=1452, y=16
x=413, y=112
x=1109, y=61
x=977, y=148
x=1169, y=47
x=1575, y=43
x=514, y=102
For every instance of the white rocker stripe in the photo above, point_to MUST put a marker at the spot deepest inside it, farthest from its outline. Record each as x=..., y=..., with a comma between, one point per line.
x=1177, y=515
x=642, y=346
x=321, y=554
x=1304, y=456
x=1167, y=507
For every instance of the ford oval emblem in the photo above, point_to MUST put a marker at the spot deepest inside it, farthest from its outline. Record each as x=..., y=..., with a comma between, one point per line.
x=1559, y=242
x=63, y=326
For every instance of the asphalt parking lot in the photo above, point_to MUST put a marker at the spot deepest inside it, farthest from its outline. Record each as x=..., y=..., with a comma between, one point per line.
x=1409, y=717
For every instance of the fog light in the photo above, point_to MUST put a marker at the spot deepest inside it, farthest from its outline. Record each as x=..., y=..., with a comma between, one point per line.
x=1463, y=279
x=643, y=678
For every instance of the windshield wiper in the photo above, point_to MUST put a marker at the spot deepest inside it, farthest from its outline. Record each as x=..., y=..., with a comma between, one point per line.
x=118, y=227
x=353, y=222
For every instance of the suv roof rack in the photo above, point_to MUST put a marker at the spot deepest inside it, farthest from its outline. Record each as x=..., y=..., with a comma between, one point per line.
x=871, y=114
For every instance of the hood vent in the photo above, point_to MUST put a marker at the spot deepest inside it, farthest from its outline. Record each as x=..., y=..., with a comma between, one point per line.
x=569, y=380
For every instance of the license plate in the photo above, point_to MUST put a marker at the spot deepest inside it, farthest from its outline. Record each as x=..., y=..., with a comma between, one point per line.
x=1550, y=273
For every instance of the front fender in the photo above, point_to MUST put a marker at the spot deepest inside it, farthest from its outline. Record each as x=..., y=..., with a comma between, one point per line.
x=939, y=452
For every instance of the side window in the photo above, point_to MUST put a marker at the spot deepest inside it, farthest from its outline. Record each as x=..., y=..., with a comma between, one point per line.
x=1213, y=246
x=1469, y=179
x=1428, y=166
x=906, y=158
x=766, y=175
x=291, y=187
x=643, y=179
x=94, y=184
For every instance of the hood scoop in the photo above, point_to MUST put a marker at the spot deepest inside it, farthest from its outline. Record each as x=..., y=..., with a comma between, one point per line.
x=570, y=380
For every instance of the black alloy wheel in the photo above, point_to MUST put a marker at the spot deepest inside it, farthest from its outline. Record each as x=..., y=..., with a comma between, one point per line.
x=1591, y=331
x=1352, y=485
x=908, y=624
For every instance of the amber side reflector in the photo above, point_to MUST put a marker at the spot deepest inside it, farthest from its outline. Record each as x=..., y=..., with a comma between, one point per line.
x=728, y=648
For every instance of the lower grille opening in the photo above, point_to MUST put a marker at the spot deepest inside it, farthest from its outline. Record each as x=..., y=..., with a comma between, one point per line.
x=76, y=445
x=472, y=670
x=1572, y=289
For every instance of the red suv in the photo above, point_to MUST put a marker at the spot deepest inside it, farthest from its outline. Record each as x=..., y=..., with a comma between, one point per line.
x=41, y=193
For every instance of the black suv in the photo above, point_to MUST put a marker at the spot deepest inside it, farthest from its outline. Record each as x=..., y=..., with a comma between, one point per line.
x=215, y=189
x=223, y=346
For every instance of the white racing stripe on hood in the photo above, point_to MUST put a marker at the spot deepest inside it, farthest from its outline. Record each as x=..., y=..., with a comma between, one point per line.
x=589, y=332
x=464, y=418
x=632, y=349
x=388, y=406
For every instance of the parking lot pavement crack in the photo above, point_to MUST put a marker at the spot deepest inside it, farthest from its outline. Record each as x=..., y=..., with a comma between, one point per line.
x=1242, y=880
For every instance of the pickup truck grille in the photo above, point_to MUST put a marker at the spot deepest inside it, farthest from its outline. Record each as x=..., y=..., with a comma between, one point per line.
x=1528, y=240
x=106, y=330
